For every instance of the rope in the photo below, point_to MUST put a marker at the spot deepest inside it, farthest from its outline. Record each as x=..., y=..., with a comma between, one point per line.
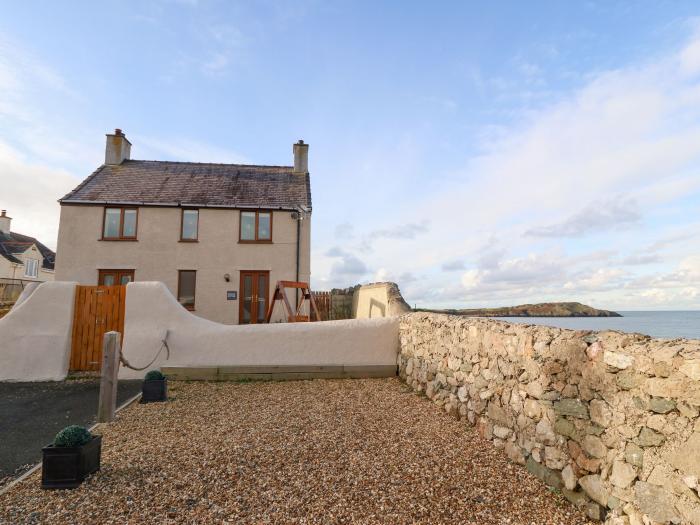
x=164, y=344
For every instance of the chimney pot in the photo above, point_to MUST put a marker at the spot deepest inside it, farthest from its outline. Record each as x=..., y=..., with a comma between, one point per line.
x=301, y=157
x=118, y=148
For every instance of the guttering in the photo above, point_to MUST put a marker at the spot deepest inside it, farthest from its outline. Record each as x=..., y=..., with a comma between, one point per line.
x=183, y=205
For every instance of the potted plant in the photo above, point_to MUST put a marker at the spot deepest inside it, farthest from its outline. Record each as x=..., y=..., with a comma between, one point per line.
x=155, y=387
x=73, y=455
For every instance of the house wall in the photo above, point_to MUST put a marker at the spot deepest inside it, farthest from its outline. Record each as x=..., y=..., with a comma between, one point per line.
x=610, y=419
x=195, y=342
x=6, y=268
x=11, y=270
x=157, y=255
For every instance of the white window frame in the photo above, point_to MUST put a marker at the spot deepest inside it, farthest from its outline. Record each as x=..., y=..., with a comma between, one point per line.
x=31, y=268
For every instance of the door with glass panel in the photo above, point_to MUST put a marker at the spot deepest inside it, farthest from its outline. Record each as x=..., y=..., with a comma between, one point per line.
x=254, y=296
x=115, y=277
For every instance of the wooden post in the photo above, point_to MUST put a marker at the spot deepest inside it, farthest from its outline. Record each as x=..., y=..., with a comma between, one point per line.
x=111, y=349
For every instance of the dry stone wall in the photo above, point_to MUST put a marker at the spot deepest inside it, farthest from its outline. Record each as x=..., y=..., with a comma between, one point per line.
x=609, y=419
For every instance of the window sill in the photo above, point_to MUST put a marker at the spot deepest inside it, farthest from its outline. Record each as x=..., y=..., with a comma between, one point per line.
x=188, y=308
x=241, y=241
x=118, y=240
x=188, y=240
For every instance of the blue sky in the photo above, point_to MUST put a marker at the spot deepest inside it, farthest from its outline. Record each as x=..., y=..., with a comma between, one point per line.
x=476, y=154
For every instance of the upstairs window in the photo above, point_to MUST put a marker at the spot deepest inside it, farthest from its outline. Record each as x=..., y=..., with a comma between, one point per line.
x=120, y=224
x=256, y=226
x=190, y=225
x=31, y=268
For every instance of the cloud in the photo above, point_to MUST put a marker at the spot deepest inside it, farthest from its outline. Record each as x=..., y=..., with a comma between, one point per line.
x=594, y=218
x=29, y=194
x=534, y=270
x=403, y=231
x=348, y=267
x=453, y=266
x=402, y=279
x=344, y=231
x=225, y=45
x=642, y=258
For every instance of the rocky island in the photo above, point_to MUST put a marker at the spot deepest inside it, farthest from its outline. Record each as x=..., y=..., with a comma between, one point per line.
x=530, y=310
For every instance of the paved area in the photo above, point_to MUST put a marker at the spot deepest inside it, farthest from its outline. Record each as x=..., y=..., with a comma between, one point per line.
x=321, y=451
x=32, y=413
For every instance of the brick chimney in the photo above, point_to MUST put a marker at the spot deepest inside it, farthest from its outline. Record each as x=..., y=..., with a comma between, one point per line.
x=118, y=148
x=5, y=222
x=301, y=157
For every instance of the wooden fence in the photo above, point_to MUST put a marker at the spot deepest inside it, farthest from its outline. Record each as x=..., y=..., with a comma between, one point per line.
x=332, y=306
x=10, y=290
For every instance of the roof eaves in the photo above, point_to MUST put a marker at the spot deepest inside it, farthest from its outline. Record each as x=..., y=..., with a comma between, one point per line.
x=82, y=184
x=290, y=207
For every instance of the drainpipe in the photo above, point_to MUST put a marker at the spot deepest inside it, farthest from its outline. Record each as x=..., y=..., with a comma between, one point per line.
x=298, y=244
x=298, y=216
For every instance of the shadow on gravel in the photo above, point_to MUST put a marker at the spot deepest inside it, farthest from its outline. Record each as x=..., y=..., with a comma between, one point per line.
x=32, y=413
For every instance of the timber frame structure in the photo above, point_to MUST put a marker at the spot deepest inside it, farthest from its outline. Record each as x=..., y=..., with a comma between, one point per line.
x=294, y=316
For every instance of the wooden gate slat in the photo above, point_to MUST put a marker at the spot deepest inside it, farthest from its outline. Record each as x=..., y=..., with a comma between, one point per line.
x=89, y=328
x=86, y=329
x=76, y=327
x=96, y=359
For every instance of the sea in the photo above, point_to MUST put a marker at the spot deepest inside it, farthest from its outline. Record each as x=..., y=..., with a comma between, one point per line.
x=666, y=324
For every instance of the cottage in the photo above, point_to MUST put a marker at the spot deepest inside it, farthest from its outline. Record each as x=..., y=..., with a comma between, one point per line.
x=23, y=258
x=218, y=235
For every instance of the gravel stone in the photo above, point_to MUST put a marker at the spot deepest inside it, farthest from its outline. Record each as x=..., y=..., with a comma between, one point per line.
x=322, y=451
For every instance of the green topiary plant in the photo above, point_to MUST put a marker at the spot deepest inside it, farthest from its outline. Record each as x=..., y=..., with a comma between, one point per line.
x=154, y=375
x=72, y=436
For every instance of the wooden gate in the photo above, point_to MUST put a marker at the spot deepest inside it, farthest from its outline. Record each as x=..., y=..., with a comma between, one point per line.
x=98, y=309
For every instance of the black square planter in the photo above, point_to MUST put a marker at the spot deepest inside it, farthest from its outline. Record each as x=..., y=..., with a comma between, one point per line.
x=67, y=467
x=154, y=390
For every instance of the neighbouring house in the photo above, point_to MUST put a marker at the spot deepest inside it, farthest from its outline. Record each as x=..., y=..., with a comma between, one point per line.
x=219, y=236
x=23, y=257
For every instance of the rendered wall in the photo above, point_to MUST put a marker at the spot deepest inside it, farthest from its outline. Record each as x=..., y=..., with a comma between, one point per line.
x=35, y=336
x=378, y=300
x=610, y=419
x=157, y=255
x=151, y=310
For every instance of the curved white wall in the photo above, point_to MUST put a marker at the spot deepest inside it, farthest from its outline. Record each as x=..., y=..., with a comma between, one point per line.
x=35, y=336
x=151, y=310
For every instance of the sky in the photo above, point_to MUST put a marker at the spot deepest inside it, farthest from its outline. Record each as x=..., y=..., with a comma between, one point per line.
x=476, y=153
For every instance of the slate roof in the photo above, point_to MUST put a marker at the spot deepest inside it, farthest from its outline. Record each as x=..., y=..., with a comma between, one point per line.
x=194, y=184
x=15, y=243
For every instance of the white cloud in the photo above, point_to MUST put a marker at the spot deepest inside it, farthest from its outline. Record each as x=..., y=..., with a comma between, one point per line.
x=29, y=193
x=596, y=217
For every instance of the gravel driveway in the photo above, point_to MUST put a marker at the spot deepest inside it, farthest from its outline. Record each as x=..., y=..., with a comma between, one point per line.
x=32, y=413
x=323, y=451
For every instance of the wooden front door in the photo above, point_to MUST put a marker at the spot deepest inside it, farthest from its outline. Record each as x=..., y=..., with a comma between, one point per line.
x=115, y=277
x=255, y=293
x=98, y=309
